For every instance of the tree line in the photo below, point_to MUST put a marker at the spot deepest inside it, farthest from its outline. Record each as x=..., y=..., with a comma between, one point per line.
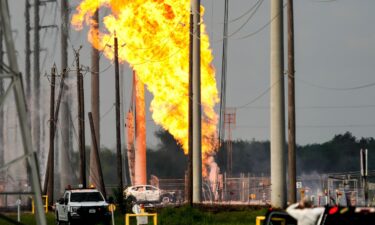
x=167, y=160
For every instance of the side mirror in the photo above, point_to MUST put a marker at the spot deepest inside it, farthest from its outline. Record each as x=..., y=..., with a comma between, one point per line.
x=61, y=201
x=65, y=201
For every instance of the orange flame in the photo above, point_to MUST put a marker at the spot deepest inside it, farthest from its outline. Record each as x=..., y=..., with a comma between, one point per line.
x=153, y=37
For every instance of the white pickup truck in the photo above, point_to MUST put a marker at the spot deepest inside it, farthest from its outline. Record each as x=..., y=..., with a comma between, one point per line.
x=82, y=206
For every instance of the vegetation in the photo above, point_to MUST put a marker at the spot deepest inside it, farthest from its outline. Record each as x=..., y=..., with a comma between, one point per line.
x=167, y=160
x=178, y=216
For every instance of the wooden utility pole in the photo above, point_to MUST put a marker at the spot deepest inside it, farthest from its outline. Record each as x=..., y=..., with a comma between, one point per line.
x=1, y=109
x=36, y=83
x=118, y=128
x=190, y=162
x=81, y=122
x=95, y=104
x=49, y=181
x=291, y=110
x=51, y=159
x=27, y=50
x=99, y=179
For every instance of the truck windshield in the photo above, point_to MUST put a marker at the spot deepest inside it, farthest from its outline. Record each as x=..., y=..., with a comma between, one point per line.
x=86, y=197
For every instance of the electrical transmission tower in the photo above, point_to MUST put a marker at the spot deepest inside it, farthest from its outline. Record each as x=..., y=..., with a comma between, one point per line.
x=12, y=73
x=36, y=124
x=229, y=124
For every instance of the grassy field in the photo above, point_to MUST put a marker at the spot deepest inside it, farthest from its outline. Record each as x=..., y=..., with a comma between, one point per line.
x=179, y=216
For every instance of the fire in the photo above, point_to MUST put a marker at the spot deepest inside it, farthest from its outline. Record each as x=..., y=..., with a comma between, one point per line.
x=153, y=36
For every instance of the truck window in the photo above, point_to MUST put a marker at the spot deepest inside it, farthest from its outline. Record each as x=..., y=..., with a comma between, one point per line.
x=86, y=197
x=66, y=197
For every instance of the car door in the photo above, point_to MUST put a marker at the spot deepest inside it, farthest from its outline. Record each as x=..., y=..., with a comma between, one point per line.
x=63, y=213
x=152, y=194
x=139, y=193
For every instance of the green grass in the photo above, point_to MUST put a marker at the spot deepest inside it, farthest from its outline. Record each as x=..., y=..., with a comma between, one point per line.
x=177, y=216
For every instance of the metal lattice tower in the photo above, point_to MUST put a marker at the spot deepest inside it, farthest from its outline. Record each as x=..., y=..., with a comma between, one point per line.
x=12, y=73
x=229, y=124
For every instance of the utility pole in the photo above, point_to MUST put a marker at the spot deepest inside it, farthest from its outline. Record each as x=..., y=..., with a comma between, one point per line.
x=2, y=136
x=197, y=116
x=99, y=178
x=27, y=49
x=190, y=162
x=118, y=129
x=364, y=173
x=278, y=171
x=51, y=159
x=291, y=109
x=81, y=122
x=95, y=103
x=36, y=124
x=36, y=83
x=66, y=143
x=224, y=75
x=54, y=116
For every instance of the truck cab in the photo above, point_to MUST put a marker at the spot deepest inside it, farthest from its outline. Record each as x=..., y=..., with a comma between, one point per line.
x=78, y=206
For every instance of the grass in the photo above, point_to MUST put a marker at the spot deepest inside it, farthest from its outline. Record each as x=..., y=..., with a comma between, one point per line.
x=177, y=216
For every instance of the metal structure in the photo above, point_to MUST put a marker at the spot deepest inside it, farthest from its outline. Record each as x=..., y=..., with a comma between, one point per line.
x=224, y=73
x=229, y=123
x=12, y=72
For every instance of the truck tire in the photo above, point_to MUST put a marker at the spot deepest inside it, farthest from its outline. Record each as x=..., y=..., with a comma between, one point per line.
x=57, y=219
x=70, y=221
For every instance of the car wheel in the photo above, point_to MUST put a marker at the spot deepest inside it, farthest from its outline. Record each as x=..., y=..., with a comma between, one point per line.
x=131, y=200
x=166, y=199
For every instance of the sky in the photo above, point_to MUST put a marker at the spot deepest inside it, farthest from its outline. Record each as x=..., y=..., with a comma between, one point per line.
x=334, y=63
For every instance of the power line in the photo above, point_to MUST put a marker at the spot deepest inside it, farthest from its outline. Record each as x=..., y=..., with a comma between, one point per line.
x=260, y=29
x=245, y=105
x=311, y=126
x=244, y=14
x=336, y=88
x=260, y=2
x=319, y=107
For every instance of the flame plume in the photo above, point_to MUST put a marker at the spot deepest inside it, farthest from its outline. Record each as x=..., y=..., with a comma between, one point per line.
x=154, y=39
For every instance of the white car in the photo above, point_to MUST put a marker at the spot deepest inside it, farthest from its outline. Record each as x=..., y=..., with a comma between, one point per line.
x=79, y=206
x=148, y=193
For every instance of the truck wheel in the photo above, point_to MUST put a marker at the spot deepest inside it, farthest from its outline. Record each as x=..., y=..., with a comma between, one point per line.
x=70, y=222
x=57, y=219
